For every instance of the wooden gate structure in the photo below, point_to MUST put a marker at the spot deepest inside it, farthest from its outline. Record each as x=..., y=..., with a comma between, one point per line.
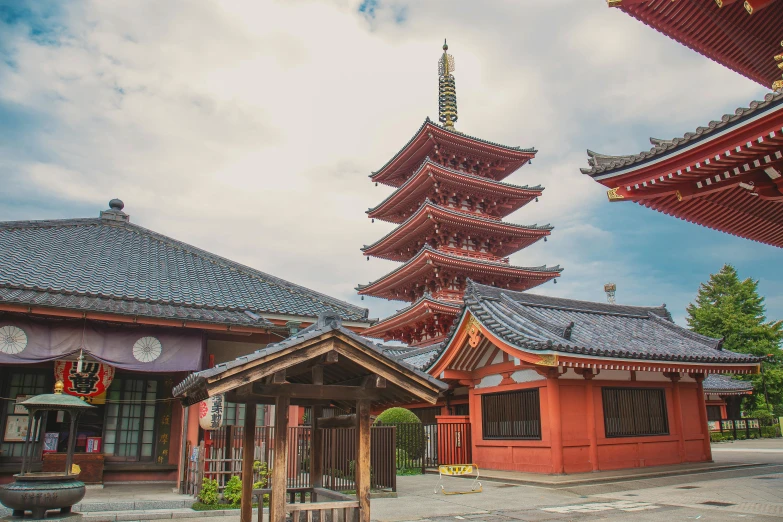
x=324, y=365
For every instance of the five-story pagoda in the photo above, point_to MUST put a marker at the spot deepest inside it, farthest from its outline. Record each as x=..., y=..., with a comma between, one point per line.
x=449, y=204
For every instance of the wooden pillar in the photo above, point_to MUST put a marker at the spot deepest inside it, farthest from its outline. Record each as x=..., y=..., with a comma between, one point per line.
x=703, y=415
x=248, y=447
x=74, y=415
x=590, y=412
x=678, y=424
x=555, y=421
x=363, y=458
x=279, y=476
x=316, y=449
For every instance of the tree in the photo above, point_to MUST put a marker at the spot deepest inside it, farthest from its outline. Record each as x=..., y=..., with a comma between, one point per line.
x=731, y=309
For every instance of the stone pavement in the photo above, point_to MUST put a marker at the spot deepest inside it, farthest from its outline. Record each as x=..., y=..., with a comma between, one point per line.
x=753, y=491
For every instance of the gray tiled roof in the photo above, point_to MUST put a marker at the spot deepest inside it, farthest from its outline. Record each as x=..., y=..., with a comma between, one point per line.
x=421, y=358
x=114, y=266
x=540, y=323
x=604, y=164
x=325, y=323
x=715, y=383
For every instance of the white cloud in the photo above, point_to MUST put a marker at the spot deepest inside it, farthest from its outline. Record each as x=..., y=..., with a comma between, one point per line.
x=248, y=128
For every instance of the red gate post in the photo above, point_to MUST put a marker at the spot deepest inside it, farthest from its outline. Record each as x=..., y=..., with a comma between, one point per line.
x=453, y=439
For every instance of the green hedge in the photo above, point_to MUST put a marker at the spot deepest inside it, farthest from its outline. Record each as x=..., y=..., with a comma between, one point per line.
x=410, y=432
x=395, y=416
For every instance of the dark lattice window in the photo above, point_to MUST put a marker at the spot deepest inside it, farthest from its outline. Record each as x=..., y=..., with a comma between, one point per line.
x=634, y=412
x=427, y=415
x=713, y=413
x=461, y=409
x=511, y=415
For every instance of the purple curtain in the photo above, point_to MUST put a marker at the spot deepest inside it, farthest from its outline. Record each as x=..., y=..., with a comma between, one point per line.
x=181, y=350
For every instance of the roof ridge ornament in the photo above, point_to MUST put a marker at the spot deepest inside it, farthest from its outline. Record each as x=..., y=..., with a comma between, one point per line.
x=447, y=90
x=115, y=213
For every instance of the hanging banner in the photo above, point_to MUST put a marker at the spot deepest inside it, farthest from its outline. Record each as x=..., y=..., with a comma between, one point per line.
x=91, y=384
x=210, y=413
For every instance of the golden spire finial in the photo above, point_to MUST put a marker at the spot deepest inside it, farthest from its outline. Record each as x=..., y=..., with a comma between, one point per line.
x=447, y=91
x=59, y=387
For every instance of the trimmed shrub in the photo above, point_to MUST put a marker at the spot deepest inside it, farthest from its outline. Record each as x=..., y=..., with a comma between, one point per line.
x=395, y=416
x=769, y=432
x=233, y=491
x=410, y=431
x=209, y=492
x=263, y=474
x=402, y=459
x=720, y=437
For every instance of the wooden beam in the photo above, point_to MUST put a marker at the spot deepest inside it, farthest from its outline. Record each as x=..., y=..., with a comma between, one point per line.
x=378, y=364
x=455, y=375
x=252, y=372
x=265, y=399
x=318, y=375
x=363, y=459
x=279, y=473
x=373, y=381
x=312, y=391
x=279, y=377
x=331, y=358
x=248, y=446
x=340, y=421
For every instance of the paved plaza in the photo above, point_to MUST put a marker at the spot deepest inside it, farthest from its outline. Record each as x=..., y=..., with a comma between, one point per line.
x=753, y=492
x=746, y=483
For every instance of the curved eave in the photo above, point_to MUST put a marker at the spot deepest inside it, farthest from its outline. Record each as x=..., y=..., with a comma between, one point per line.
x=727, y=392
x=727, y=35
x=430, y=172
x=430, y=215
x=515, y=155
x=421, y=308
x=717, y=138
x=538, y=353
x=732, y=212
x=427, y=258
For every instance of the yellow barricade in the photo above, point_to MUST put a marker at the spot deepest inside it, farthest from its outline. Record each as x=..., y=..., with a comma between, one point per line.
x=459, y=470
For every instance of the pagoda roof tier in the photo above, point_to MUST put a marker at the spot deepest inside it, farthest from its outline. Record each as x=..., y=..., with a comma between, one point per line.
x=439, y=227
x=426, y=311
x=746, y=43
x=438, y=183
x=727, y=176
x=444, y=275
x=454, y=149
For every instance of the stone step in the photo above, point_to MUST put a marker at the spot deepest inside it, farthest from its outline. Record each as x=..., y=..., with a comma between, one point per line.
x=158, y=514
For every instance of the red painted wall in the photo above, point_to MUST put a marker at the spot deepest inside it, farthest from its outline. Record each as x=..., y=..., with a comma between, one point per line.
x=612, y=453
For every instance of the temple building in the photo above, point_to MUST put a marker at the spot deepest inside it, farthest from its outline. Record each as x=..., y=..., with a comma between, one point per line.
x=449, y=203
x=728, y=174
x=121, y=314
x=552, y=385
x=536, y=383
x=724, y=396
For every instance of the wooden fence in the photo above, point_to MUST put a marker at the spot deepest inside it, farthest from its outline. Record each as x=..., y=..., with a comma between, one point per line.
x=421, y=446
x=223, y=458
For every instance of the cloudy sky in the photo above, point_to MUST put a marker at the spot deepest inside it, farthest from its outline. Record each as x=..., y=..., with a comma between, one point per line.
x=248, y=128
